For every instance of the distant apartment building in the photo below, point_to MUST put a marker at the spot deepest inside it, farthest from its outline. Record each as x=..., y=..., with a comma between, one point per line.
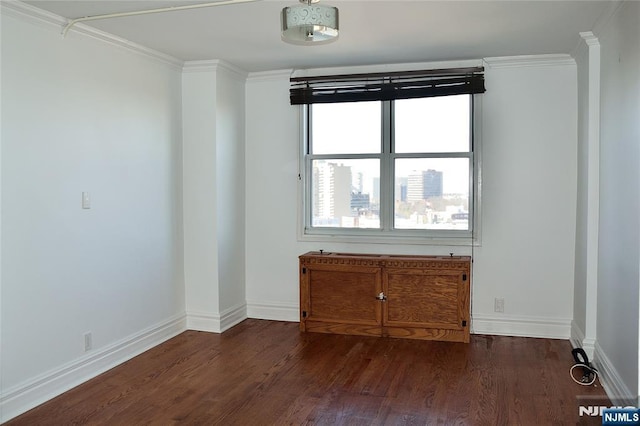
x=359, y=183
x=359, y=202
x=424, y=184
x=331, y=190
x=401, y=189
x=375, y=196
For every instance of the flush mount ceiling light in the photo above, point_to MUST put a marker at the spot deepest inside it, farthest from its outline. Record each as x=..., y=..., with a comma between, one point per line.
x=309, y=23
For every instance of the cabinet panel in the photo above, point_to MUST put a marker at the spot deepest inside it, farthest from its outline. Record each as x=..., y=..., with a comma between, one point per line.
x=340, y=297
x=424, y=299
x=426, y=304
x=421, y=297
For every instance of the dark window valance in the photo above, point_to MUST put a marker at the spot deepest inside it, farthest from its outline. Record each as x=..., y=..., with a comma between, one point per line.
x=386, y=86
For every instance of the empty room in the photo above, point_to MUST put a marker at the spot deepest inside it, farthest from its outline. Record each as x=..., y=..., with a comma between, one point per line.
x=340, y=212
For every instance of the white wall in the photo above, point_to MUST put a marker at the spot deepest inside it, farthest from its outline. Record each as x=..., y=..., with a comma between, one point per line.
x=199, y=197
x=583, y=331
x=619, y=248
x=82, y=115
x=271, y=188
x=580, y=286
x=528, y=206
x=529, y=151
x=272, y=246
x=230, y=174
x=214, y=200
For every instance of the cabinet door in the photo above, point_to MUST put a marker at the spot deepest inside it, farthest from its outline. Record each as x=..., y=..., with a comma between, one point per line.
x=341, y=299
x=426, y=304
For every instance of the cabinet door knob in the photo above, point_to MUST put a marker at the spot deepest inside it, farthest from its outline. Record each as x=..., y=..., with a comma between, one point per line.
x=381, y=296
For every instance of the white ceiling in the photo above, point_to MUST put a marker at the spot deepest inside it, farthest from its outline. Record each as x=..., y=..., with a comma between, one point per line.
x=371, y=32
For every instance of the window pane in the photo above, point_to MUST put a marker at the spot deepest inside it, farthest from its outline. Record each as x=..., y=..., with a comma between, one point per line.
x=431, y=193
x=346, y=128
x=439, y=124
x=345, y=193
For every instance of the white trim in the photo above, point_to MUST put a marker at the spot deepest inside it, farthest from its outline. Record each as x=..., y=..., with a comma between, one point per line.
x=72, y=22
x=593, y=190
x=578, y=340
x=216, y=323
x=274, y=311
x=577, y=336
x=27, y=395
x=452, y=244
x=277, y=75
x=203, y=321
x=213, y=65
x=589, y=346
x=614, y=386
x=522, y=326
x=604, y=21
x=233, y=316
x=236, y=72
x=38, y=16
x=505, y=326
x=530, y=61
x=457, y=240
x=589, y=38
x=361, y=69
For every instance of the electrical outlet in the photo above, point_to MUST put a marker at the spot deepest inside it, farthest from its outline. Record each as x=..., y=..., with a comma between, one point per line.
x=88, y=341
x=498, y=305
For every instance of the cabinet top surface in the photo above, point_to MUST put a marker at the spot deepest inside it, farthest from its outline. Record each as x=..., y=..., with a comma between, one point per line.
x=317, y=254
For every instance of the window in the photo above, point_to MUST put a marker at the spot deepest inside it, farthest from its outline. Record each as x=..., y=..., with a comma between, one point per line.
x=399, y=167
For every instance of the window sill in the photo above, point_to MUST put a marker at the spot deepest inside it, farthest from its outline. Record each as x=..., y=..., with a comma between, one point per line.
x=328, y=237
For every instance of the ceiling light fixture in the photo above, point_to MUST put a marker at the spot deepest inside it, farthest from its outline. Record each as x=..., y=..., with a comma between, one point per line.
x=309, y=23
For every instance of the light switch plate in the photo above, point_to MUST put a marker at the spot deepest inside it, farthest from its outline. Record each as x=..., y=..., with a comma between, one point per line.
x=86, y=200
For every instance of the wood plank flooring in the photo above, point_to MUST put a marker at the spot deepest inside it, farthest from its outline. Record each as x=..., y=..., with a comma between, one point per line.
x=268, y=373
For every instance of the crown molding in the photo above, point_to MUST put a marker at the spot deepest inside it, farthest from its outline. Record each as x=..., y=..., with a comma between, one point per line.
x=275, y=75
x=587, y=40
x=604, y=21
x=530, y=61
x=375, y=68
x=214, y=65
x=52, y=21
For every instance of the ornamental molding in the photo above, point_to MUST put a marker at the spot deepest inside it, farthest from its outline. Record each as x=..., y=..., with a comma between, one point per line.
x=388, y=261
x=530, y=61
x=344, y=261
x=37, y=16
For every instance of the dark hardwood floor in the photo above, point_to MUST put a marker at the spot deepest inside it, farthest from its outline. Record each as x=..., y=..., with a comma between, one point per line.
x=268, y=373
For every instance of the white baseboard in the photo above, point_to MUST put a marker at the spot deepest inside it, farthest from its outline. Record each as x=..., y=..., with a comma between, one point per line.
x=201, y=321
x=579, y=341
x=232, y=316
x=521, y=326
x=577, y=336
x=614, y=386
x=23, y=397
x=273, y=311
x=507, y=326
x=214, y=323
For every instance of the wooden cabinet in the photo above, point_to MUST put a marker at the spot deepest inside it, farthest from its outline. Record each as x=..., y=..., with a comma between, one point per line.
x=418, y=297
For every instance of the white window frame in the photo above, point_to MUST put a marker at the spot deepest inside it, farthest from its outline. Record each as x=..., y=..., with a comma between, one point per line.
x=386, y=234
